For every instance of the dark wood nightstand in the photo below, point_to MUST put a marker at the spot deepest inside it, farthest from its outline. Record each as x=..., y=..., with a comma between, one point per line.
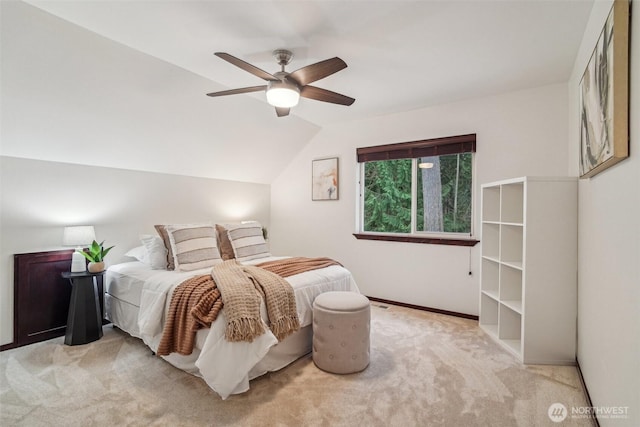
x=84, y=322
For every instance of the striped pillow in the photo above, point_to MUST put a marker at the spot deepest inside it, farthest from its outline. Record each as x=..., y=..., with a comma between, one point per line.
x=247, y=241
x=224, y=245
x=194, y=246
x=162, y=232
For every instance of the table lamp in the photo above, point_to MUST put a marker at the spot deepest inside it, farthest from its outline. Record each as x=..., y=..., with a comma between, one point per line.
x=78, y=236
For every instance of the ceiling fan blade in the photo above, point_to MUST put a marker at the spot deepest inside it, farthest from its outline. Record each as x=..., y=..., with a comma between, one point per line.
x=281, y=112
x=312, y=92
x=246, y=66
x=236, y=91
x=317, y=71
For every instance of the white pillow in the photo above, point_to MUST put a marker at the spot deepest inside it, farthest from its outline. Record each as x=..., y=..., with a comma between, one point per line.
x=194, y=246
x=139, y=253
x=247, y=241
x=156, y=253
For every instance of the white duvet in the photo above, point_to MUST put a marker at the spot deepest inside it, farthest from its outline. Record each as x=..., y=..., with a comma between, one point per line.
x=224, y=365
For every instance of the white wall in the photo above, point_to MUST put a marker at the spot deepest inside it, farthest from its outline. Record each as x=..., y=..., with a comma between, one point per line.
x=70, y=95
x=38, y=198
x=520, y=133
x=609, y=249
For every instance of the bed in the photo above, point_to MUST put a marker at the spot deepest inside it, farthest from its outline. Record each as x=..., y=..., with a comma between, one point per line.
x=137, y=298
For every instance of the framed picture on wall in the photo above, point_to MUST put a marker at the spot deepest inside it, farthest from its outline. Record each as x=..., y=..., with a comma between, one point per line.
x=604, y=96
x=324, y=178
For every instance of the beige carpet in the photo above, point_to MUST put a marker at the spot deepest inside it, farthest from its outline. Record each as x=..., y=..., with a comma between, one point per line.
x=426, y=369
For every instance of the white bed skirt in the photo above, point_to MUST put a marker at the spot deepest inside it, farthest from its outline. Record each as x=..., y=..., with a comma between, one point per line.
x=125, y=316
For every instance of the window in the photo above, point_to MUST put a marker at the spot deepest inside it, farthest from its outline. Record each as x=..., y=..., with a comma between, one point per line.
x=420, y=189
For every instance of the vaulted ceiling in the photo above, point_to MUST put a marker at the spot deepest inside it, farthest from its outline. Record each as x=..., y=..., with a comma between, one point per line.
x=401, y=55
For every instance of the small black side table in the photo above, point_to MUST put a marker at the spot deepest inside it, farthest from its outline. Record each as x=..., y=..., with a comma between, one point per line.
x=84, y=322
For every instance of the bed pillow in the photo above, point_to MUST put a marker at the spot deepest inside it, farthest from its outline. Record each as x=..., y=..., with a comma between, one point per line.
x=224, y=245
x=194, y=246
x=156, y=253
x=247, y=241
x=162, y=232
x=139, y=253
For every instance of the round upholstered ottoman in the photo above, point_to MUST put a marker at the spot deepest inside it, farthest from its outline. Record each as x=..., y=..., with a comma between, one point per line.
x=341, y=332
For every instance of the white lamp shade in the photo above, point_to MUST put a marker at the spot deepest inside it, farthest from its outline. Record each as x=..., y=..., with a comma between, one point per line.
x=78, y=236
x=283, y=94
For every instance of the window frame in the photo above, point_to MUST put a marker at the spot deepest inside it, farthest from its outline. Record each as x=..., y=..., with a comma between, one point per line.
x=414, y=150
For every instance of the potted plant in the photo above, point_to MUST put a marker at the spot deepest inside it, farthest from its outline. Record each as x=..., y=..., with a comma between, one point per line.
x=96, y=256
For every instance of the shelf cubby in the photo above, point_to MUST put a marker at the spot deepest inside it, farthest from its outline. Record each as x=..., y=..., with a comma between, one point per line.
x=510, y=328
x=491, y=240
x=489, y=314
x=511, y=287
x=512, y=203
x=490, y=276
x=491, y=204
x=511, y=244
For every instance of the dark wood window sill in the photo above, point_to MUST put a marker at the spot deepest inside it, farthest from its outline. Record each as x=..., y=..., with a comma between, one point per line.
x=415, y=239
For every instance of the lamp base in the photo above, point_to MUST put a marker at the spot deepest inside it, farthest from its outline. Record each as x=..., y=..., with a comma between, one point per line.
x=78, y=263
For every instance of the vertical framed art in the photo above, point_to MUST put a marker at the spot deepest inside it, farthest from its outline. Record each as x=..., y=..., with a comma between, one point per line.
x=604, y=96
x=324, y=179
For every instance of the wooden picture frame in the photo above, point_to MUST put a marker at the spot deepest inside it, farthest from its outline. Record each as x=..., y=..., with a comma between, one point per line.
x=324, y=179
x=604, y=96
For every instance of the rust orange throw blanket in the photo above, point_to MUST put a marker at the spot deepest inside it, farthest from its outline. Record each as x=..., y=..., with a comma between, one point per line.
x=197, y=301
x=290, y=266
x=195, y=304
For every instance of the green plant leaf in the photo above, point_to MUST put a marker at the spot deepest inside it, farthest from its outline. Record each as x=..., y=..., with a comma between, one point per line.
x=95, y=247
x=106, y=251
x=87, y=255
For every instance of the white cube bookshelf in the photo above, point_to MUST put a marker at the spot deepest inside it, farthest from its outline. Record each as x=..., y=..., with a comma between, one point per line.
x=528, y=280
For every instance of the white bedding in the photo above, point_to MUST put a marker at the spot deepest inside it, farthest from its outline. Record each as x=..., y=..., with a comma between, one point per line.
x=136, y=284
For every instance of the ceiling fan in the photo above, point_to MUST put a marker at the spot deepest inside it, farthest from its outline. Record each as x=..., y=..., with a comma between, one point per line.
x=285, y=89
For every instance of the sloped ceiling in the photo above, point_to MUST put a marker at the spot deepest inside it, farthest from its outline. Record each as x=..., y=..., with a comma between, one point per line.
x=401, y=55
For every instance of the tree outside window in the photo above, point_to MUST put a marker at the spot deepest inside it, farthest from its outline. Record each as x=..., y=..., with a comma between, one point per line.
x=444, y=194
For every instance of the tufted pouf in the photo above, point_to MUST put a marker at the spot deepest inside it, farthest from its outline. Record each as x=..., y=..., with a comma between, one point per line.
x=341, y=332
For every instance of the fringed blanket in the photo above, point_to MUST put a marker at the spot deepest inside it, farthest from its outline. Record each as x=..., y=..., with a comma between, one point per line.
x=242, y=288
x=196, y=302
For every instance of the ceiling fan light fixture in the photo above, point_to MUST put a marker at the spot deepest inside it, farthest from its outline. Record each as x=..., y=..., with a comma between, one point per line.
x=283, y=94
x=284, y=89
